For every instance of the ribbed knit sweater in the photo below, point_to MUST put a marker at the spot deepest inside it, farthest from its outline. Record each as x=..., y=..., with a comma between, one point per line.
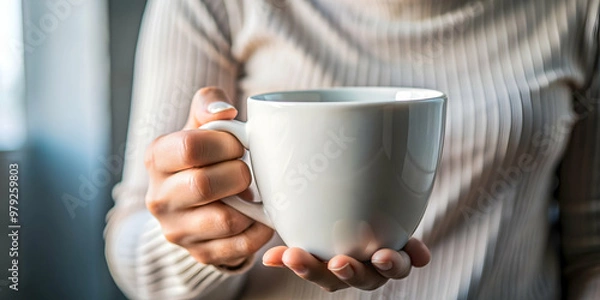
x=515, y=211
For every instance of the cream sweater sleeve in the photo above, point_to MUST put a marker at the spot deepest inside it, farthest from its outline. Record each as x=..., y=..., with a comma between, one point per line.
x=183, y=46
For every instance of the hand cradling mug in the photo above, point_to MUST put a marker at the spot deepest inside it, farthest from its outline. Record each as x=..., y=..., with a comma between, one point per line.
x=342, y=170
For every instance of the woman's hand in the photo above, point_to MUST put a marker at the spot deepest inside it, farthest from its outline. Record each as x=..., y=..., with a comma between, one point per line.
x=190, y=170
x=343, y=271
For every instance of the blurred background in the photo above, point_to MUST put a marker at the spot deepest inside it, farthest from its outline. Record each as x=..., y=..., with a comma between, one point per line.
x=65, y=87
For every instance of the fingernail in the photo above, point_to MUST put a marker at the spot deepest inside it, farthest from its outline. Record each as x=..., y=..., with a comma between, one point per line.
x=300, y=270
x=382, y=265
x=269, y=264
x=344, y=272
x=266, y=264
x=219, y=106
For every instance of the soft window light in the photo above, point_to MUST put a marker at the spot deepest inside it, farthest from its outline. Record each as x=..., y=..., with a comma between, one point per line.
x=12, y=106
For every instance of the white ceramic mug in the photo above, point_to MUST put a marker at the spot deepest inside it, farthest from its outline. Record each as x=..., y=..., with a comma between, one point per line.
x=341, y=170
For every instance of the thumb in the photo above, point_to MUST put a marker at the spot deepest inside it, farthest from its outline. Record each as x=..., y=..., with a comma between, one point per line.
x=209, y=104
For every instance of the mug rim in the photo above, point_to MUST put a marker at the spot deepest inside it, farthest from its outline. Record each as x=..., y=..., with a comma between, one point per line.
x=416, y=95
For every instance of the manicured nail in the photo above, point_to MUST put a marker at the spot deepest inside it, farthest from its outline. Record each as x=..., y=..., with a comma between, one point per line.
x=382, y=265
x=267, y=264
x=344, y=272
x=219, y=106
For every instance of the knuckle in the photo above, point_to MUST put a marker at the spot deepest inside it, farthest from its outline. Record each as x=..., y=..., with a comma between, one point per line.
x=149, y=156
x=201, y=184
x=228, y=223
x=156, y=206
x=246, y=245
x=244, y=174
x=201, y=255
x=191, y=147
x=236, y=248
x=174, y=237
x=226, y=251
x=233, y=147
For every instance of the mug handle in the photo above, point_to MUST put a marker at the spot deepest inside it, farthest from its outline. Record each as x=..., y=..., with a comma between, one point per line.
x=239, y=130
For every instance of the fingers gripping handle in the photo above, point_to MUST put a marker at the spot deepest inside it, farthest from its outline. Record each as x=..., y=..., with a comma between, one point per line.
x=237, y=128
x=252, y=210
